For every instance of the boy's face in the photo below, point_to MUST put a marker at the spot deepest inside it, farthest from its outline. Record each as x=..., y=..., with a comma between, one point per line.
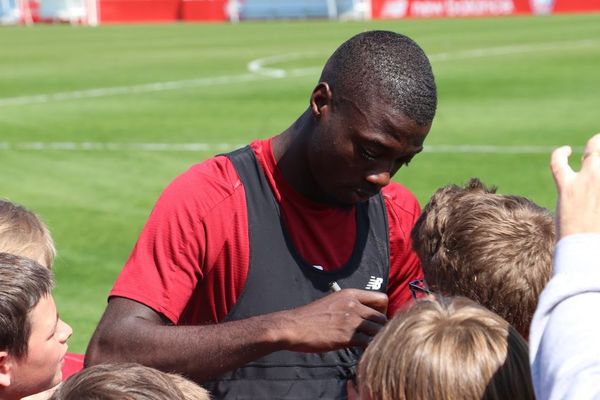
x=40, y=369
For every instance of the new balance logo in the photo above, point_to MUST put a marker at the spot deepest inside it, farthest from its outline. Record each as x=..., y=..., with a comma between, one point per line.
x=374, y=283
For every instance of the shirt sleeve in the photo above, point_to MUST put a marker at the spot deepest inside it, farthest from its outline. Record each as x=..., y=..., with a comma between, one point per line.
x=170, y=256
x=564, y=345
x=403, y=210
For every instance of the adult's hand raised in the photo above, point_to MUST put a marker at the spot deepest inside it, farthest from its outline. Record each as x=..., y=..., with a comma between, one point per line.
x=578, y=206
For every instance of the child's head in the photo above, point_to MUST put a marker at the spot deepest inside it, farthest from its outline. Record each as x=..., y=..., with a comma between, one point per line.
x=494, y=249
x=25, y=234
x=190, y=390
x=127, y=381
x=33, y=340
x=446, y=349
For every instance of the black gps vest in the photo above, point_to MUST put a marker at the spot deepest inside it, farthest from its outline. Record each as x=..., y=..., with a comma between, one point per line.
x=279, y=279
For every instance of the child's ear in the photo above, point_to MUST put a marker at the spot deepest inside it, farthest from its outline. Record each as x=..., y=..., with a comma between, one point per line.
x=352, y=390
x=5, y=371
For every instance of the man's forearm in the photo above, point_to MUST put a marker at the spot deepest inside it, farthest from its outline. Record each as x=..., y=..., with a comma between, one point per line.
x=131, y=332
x=199, y=352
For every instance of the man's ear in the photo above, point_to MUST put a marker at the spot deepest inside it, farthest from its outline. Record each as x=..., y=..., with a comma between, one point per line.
x=320, y=100
x=5, y=369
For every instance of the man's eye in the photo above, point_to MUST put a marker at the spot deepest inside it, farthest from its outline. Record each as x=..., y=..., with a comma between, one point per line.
x=366, y=154
x=403, y=162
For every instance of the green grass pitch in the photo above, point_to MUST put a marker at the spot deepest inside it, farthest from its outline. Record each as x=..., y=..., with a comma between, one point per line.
x=518, y=85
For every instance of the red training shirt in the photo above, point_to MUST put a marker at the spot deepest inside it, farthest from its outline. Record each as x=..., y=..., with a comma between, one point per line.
x=72, y=364
x=191, y=260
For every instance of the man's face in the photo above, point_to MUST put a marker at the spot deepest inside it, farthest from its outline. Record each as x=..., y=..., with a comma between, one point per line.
x=40, y=369
x=356, y=151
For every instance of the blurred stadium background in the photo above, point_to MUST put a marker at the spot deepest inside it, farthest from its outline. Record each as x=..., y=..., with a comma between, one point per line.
x=95, y=121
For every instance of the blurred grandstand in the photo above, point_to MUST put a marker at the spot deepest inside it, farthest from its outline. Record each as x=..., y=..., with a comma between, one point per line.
x=32, y=11
x=93, y=12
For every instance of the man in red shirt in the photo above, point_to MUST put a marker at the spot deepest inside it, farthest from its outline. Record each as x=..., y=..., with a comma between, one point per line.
x=229, y=281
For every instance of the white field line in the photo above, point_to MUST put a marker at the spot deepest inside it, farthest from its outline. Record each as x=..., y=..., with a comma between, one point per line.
x=259, y=66
x=133, y=89
x=514, y=49
x=264, y=66
x=261, y=69
x=220, y=147
x=114, y=146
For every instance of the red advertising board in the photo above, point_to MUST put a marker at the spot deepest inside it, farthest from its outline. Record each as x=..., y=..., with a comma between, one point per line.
x=576, y=6
x=126, y=11
x=122, y=11
x=392, y=9
x=204, y=10
x=135, y=11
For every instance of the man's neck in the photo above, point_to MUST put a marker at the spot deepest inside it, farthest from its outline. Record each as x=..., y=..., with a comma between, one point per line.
x=290, y=149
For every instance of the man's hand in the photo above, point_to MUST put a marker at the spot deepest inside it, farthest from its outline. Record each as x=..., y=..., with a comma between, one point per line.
x=578, y=206
x=132, y=332
x=347, y=318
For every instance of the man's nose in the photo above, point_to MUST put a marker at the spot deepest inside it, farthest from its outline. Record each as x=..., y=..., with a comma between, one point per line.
x=380, y=179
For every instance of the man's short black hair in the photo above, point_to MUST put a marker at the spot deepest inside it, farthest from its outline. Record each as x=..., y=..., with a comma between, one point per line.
x=388, y=66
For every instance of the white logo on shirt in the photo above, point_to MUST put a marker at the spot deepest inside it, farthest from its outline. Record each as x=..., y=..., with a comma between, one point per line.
x=374, y=283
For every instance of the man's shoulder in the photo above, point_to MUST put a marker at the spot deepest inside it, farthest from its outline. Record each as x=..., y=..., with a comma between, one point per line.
x=217, y=171
x=204, y=185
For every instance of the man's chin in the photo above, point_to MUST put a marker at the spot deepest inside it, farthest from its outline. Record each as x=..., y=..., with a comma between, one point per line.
x=341, y=202
x=344, y=199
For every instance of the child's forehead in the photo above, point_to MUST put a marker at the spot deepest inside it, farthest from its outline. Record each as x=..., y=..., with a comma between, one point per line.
x=44, y=312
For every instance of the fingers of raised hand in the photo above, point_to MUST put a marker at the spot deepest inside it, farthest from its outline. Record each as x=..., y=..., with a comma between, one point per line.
x=559, y=163
x=578, y=207
x=591, y=154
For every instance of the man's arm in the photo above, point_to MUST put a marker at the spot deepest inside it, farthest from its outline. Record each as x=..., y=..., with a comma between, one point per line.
x=564, y=346
x=132, y=332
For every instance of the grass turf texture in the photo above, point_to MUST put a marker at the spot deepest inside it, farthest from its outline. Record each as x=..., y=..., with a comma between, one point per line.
x=531, y=81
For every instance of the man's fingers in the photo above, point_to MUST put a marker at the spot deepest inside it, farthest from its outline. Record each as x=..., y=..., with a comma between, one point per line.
x=370, y=328
x=375, y=300
x=559, y=163
x=360, y=339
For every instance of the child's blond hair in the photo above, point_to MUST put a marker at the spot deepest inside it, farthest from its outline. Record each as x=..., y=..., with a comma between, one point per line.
x=23, y=233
